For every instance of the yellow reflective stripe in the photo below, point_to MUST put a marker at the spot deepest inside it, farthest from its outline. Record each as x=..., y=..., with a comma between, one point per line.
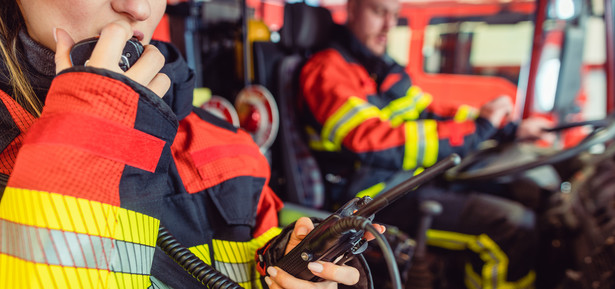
x=381, y=187
x=431, y=143
x=495, y=266
x=315, y=141
x=421, y=148
x=237, y=259
x=412, y=145
x=408, y=107
x=261, y=240
x=71, y=214
x=472, y=280
x=352, y=113
x=465, y=112
x=372, y=191
x=202, y=251
x=449, y=240
x=526, y=282
x=496, y=262
x=17, y=273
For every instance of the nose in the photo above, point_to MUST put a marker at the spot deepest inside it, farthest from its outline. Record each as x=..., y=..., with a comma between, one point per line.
x=138, y=10
x=390, y=21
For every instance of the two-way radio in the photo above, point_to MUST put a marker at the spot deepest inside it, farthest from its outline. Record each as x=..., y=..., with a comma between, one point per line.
x=340, y=236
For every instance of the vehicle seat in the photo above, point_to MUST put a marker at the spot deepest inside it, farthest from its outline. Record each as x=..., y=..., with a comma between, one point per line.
x=277, y=65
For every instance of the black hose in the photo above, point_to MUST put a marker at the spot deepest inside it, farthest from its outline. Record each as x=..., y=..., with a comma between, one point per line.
x=200, y=270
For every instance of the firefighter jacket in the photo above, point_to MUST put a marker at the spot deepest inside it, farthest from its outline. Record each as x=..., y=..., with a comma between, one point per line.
x=362, y=111
x=106, y=164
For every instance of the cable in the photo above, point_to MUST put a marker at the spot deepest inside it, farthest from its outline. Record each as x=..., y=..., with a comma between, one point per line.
x=200, y=270
x=352, y=223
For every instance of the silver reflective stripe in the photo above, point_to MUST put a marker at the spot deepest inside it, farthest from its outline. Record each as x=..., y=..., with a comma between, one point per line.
x=420, y=154
x=239, y=272
x=55, y=247
x=347, y=116
x=407, y=108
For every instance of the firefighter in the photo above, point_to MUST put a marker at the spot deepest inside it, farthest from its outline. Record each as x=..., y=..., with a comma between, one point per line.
x=94, y=159
x=370, y=128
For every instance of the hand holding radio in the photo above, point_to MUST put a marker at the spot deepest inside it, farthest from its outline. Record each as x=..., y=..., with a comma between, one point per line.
x=340, y=236
x=115, y=51
x=327, y=271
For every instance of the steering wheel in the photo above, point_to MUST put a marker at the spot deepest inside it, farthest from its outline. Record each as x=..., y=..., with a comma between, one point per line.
x=508, y=159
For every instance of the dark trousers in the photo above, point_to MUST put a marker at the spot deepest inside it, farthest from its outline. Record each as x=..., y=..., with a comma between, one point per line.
x=499, y=235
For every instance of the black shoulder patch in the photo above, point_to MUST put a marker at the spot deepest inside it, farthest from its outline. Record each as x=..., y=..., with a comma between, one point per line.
x=8, y=127
x=208, y=117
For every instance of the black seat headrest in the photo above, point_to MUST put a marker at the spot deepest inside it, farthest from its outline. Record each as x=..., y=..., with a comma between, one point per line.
x=305, y=27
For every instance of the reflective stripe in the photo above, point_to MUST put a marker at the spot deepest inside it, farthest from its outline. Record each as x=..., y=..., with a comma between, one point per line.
x=351, y=114
x=431, y=143
x=465, y=112
x=65, y=242
x=17, y=273
x=421, y=147
x=495, y=266
x=381, y=187
x=372, y=191
x=472, y=280
x=407, y=107
x=55, y=247
x=71, y=214
x=236, y=259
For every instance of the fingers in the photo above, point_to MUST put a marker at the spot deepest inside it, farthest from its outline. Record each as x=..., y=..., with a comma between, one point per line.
x=107, y=54
x=341, y=274
x=279, y=279
x=64, y=43
x=380, y=228
x=108, y=50
x=160, y=84
x=302, y=227
x=144, y=71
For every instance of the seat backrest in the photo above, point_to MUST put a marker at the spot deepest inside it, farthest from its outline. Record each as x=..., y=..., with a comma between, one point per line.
x=306, y=29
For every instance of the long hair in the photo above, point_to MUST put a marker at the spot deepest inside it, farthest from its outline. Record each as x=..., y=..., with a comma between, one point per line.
x=10, y=23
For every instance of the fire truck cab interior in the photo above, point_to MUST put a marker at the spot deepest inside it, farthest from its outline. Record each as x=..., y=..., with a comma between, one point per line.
x=570, y=181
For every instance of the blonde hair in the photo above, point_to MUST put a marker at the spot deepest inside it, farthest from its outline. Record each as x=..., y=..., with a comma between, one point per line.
x=10, y=24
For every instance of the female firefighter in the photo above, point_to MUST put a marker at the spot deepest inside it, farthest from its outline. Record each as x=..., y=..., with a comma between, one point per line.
x=106, y=156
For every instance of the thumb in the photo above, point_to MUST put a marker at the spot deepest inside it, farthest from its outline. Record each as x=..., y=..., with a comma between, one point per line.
x=64, y=43
x=302, y=227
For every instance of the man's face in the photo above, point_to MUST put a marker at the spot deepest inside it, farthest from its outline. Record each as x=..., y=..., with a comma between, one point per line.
x=85, y=18
x=371, y=20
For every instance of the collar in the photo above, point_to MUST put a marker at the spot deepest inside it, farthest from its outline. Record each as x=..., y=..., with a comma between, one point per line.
x=345, y=41
x=39, y=65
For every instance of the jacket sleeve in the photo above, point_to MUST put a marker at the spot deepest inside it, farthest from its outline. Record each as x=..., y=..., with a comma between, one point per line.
x=340, y=97
x=70, y=216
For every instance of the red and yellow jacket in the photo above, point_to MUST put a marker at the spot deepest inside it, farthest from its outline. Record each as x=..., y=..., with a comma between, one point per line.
x=361, y=110
x=106, y=164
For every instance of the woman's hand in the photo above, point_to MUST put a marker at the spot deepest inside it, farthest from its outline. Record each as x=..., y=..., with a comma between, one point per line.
x=331, y=273
x=107, y=54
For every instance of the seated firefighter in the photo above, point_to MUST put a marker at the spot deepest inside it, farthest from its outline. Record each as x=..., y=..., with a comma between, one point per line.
x=369, y=128
x=94, y=159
